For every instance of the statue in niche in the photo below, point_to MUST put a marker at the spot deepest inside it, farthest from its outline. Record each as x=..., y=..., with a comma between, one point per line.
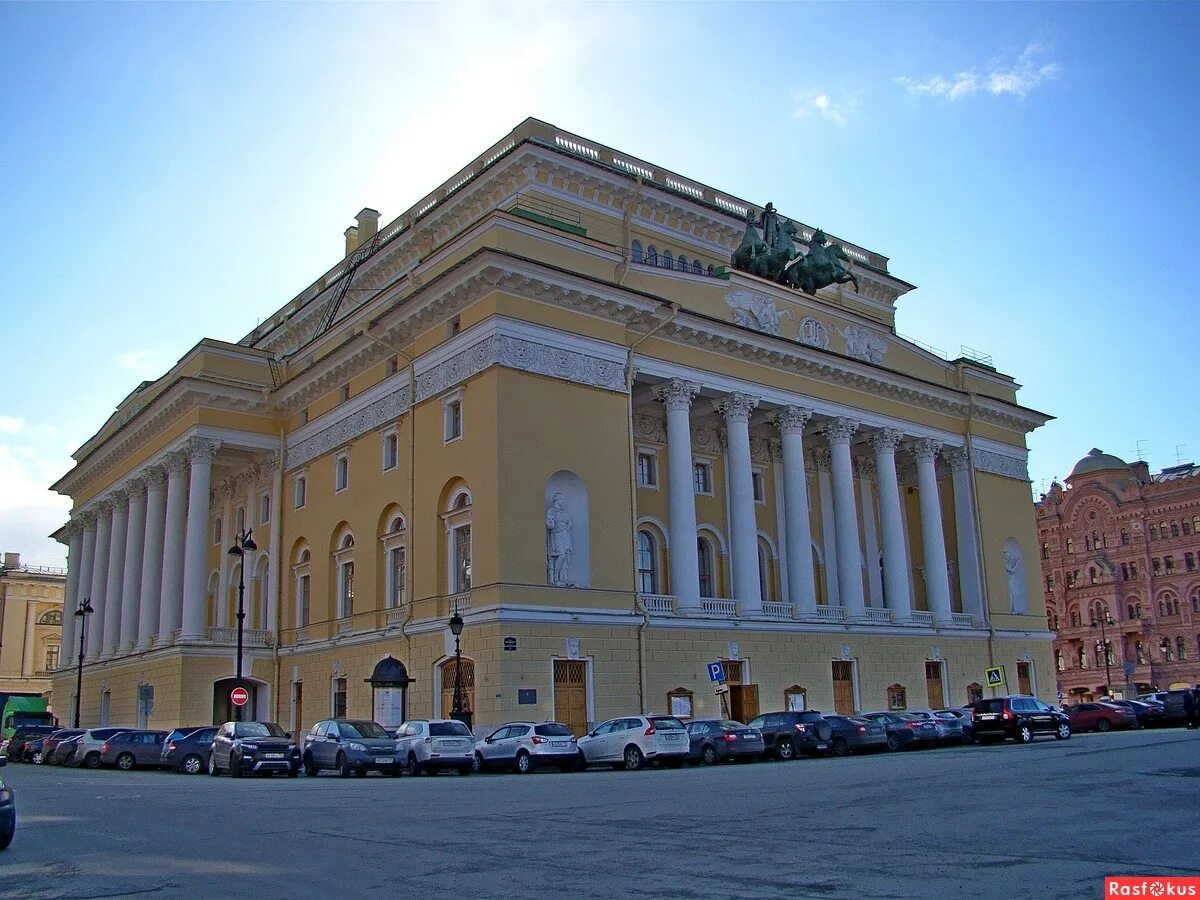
x=1014, y=569
x=558, y=541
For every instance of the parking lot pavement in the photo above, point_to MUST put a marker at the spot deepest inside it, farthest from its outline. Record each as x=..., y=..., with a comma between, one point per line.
x=1047, y=820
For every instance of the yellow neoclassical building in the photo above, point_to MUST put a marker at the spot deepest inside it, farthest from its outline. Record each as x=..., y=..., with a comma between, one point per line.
x=31, y=603
x=545, y=398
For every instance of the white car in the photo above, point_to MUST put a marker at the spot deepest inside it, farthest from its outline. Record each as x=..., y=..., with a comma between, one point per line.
x=426, y=746
x=632, y=741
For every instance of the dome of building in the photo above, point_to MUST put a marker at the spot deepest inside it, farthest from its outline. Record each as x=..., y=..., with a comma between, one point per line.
x=1097, y=461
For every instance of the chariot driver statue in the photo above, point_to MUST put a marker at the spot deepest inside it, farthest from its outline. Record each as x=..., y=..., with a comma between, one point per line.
x=769, y=222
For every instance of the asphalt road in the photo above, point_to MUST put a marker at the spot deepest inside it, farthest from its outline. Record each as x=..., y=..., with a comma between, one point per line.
x=1047, y=820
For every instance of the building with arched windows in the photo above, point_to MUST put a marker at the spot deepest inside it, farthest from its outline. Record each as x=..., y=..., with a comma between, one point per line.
x=31, y=611
x=543, y=399
x=1120, y=550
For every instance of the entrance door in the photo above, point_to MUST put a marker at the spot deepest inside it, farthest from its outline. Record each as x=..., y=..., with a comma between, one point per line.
x=1024, y=679
x=467, y=687
x=843, y=687
x=570, y=694
x=933, y=685
x=743, y=702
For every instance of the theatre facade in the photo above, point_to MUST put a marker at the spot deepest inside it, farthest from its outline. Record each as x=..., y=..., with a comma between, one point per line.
x=622, y=423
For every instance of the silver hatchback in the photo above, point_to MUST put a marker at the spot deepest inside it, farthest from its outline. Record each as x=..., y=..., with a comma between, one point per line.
x=426, y=746
x=525, y=746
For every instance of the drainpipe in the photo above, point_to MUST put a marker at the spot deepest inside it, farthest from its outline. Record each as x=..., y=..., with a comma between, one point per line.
x=630, y=206
x=638, y=607
x=277, y=555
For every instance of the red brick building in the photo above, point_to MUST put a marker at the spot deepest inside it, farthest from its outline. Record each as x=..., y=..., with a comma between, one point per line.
x=1120, y=554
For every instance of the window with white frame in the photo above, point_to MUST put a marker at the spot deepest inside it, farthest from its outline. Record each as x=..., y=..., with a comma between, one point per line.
x=303, y=581
x=759, y=483
x=702, y=476
x=396, y=561
x=344, y=563
x=391, y=450
x=241, y=519
x=264, y=508
x=216, y=531
x=647, y=468
x=647, y=563
x=707, y=566
x=458, y=549
x=341, y=472
x=337, y=700
x=452, y=417
x=300, y=490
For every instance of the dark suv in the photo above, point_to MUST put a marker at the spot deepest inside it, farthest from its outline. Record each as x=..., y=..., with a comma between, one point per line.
x=258, y=747
x=1019, y=718
x=788, y=734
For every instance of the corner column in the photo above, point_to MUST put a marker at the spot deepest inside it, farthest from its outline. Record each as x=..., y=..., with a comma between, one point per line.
x=677, y=396
x=933, y=542
x=152, y=559
x=802, y=589
x=970, y=575
x=71, y=598
x=200, y=453
x=747, y=588
x=170, y=607
x=86, y=565
x=845, y=517
x=895, y=555
x=95, y=635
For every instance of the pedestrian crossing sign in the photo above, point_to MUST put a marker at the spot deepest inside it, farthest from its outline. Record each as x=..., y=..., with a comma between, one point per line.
x=995, y=676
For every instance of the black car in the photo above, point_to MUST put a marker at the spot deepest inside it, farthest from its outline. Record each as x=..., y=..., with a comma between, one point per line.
x=1149, y=715
x=1019, y=718
x=19, y=746
x=8, y=812
x=259, y=747
x=717, y=740
x=786, y=735
x=855, y=735
x=903, y=730
x=186, y=749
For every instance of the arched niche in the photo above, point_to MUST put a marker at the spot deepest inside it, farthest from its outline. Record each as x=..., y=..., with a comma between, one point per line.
x=568, y=544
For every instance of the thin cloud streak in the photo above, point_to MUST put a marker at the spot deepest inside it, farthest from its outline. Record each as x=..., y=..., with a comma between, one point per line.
x=816, y=102
x=1019, y=77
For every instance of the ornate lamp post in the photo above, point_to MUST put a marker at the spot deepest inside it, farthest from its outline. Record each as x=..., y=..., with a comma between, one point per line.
x=1106, y=619
x=456, y=627
x=85, y=610
x=243, y=544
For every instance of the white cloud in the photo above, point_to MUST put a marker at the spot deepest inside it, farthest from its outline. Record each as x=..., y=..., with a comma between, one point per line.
x=815, y=102
x=1018, y=77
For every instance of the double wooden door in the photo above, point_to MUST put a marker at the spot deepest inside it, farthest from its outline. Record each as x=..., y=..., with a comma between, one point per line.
x=843, y=687
x=570, y=694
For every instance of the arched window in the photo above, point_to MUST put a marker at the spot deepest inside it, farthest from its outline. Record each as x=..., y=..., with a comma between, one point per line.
x=395, y=549
x=302, y=597
x=1139, y=652
x=1124, y=537
x=704, y=556
x=697, y=269
x=50, y=617
x=344, y=562
x=1075, y=620
x=1045, y=550
x=1174, y=528
x=1196, y=524
x=682, y=264
x=647, y=563
x=1131, y=615
x=712, y=270
x=668, y=261
x=457, y=521
x=1196, y=601
x=764, y=571
x=1164, y=649
x=1180, y=648
x=1082, y=655
x=652, y=256
x=637, y=251
x=1153, y=532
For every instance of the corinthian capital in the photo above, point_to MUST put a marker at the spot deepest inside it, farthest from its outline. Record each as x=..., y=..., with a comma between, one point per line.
x=201, y=450
x=822, y=459
x=154, y=477
x=925, y=449
x=676, y=393
x=956, y=458
x=791, y=419
x=840, y=430
x=885, y=440
x=864, y=467
x=175, y=463
x=736, y=407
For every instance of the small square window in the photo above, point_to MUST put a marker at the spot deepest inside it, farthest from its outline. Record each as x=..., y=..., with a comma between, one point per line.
x=647, y=469
x=702, y=473
x=391, y=450
x=301, y=491
x=760, y=487
x=341, y=473
x=453, y=420
x=264, y=509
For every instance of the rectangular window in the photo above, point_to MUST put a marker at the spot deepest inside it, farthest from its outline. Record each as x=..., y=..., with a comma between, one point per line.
x=453, y=327
x=1133, y=569
x=1156, y=565
x=341, y=473
x=1050, y=582
x=647, y=470
x=391, y=450
x=301, y=488
x=52, y=657
x=759, y=483
x=1169, y=562
x=304, y=416
x=338, y=706
x=1189, y=561
x=453, y=420
x=217, y=531
x=702, y=474
x=346, y=592
x=304, y=600
x=462, y=558
x=241, y=519
x=264, y=509
x=396, y=566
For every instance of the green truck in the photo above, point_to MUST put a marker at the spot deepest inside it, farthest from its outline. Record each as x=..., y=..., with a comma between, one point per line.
x=23, y=709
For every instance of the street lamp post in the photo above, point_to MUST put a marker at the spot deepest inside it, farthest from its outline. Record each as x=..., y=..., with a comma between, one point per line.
x=456, y=627
x=1106, y=619
x=85, y=610
x=243, y=544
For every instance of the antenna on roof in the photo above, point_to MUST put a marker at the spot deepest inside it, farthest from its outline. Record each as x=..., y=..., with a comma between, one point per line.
x=1140, y=452
x=1179, y=448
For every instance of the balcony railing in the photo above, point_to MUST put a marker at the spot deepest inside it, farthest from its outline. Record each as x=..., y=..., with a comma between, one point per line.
x=251, y=637
x=922, y=617
x=460, y=603
x=777, y=610
x=658, y=604
x=831, y=613
x=879, y=616
x=719, y=607
x=395, y=616
x=962, y=620
x=345, y=625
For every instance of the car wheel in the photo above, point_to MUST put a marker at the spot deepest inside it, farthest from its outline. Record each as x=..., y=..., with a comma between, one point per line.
x=235, y=766
x=1025, y=734
x=634, y=759
x=412, y=767
x=893, y=742
x=212, y=766
x=786, y=749
x=709, y=755
x=92, y=760
x=125, y=762
x=1103, y=725
x=294, y=772
x=581, y=764
x=38, y=758
x=343, y=767
x=524, y=763
x=310, y=767
x=192, y=764
x=840, y=747
x=477, y=763
x=396, y=771
x=6, y=836
x=1063, y=732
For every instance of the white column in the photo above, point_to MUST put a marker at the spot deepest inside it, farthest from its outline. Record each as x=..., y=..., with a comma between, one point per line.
x=933, y=542
x=86, y=566
x=274, y=467
x=170, y=606
x=131, y=589
x=677, y=395
x=845, y=517
x=152, y=558
x=895, y=551
x=824, y=462
x=970, y=575
x=864, y=468
x=747, y=588
x=116, y=575
x=195, y=555
x=95, y=635
x=71, y=599
x=224, y=492
x=802, y=589
x=27, y=661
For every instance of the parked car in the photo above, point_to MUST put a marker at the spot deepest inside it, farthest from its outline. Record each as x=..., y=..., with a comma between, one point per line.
x=259, y=747
x=711, y=741
x=8, y=811
x=526, y=746
x=949, y=729
x=427, y=746
x=1016, y=717
x=19, y=746
x=786, y=735
x=349, y=746
x=45, y=754
x=64, y=753
x=630, y=742
x=130, y=749
x=1100, y=716
x=186, y=749
x=1149, y=713
x=854, y=735
x=88, y=746
x=1175, y=706
x=963, y=714
x=903, y=730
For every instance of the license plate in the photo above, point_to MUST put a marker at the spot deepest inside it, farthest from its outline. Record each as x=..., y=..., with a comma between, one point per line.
x=558, y=745
x=273, y=755
x=674, y=737
x=383, y=759
x=988, y=717
x=822, y=745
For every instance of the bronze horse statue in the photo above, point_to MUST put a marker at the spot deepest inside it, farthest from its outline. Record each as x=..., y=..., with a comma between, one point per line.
x=825, y=264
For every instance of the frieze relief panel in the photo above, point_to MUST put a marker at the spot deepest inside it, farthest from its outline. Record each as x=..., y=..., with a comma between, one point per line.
x=375, y=415
x=997, y=464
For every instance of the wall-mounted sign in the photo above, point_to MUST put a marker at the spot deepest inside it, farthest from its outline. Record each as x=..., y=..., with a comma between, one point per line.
x=527, y=695
x=510, y=643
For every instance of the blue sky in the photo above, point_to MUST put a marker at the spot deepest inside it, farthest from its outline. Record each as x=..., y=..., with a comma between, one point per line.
x=173, y=171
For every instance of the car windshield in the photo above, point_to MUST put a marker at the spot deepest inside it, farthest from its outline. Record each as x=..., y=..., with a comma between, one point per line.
x=362, y=730
x=666, y=723
x=257, y=729
x=449, y=729
x=552, y=729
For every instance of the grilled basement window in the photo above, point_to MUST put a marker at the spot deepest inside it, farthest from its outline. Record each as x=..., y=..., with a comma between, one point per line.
x=897, y=697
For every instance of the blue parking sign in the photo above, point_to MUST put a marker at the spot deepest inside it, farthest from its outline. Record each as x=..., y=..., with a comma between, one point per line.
x=716, y=672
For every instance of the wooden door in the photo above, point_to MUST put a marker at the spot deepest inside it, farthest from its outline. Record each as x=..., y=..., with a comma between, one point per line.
x=743, y=702
x=1024, y=681
x=843, y=687
x=570, y=695
x=467, y=687
x=933, y=685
